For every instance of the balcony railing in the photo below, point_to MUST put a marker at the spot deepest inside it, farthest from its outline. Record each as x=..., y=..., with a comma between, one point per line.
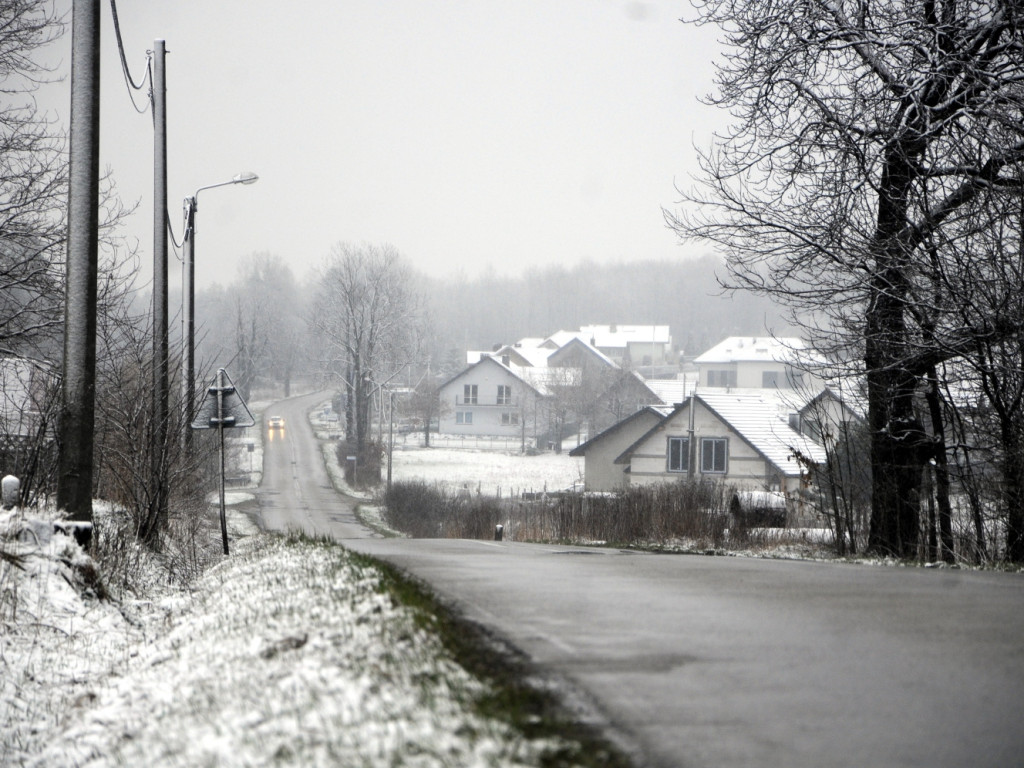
x=510, y=403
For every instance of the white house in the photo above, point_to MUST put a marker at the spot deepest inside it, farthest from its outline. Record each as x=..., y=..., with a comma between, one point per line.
x=758, y=362
x=631, y=346
x=491, y=398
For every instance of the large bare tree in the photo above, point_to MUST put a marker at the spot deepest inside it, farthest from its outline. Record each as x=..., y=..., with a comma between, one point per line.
x=870, y=139
x=368, y=316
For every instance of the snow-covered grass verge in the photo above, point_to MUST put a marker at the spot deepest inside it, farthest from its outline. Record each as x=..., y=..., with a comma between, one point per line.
x=290, y=652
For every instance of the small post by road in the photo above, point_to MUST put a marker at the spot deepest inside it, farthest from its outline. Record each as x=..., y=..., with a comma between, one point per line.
x=223, y=409
x=220, y=389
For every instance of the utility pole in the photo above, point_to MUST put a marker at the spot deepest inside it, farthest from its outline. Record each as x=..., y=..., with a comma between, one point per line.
x=78, y=385
x=161, y=387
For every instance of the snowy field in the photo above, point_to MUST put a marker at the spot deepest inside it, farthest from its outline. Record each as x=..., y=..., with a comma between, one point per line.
x=492, y=466
x=287, y=653
x=492, y=473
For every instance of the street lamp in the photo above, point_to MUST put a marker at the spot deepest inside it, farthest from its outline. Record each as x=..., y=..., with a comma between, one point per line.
x=191, y=206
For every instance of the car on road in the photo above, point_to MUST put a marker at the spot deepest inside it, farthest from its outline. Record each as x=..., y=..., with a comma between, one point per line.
x=275, y=422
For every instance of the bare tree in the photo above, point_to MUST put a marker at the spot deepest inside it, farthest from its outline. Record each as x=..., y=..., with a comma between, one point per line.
x=868, y=137
x=425, y=405
x=367, y=316
x=33, y=186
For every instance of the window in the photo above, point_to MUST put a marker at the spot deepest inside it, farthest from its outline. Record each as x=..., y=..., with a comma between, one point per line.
x=504, y=394
x=463, y=417
x=509, y=418
x=713, y=453
x=469, y=394
x=722, y=378
x=678, y=454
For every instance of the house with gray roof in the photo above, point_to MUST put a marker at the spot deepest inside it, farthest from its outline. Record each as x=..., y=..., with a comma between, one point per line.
x=747, y=439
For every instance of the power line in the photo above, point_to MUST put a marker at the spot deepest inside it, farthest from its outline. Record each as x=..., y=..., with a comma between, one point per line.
x=128, y=79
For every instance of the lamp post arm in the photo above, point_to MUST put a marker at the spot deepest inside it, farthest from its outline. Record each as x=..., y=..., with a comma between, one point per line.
x=242, y=178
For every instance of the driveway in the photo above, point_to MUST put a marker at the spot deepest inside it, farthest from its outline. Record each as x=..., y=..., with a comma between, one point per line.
x=721, y=661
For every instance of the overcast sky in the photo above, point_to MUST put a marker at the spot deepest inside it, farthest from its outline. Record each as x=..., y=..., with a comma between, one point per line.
x=473, y=136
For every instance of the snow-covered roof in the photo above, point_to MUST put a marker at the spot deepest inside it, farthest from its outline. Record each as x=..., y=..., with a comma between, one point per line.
x=758, y=416
x=761, y=417
x=590, y=349
x=620, y=336
x=656, y=411
x=534, y=356
x=737, y=349
x=671, y=391
x=559, y=339
x=529, y=376
x=529, y=342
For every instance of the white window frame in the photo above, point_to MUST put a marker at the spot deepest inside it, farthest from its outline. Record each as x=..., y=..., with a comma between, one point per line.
x=464, y=417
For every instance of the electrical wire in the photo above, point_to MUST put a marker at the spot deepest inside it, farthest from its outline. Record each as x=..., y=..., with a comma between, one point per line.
x=129, y=80
x=174, y=242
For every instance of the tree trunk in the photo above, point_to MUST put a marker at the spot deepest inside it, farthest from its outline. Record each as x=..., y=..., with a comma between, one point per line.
x=941, y=458
x=1013, y=485
x=896, y=436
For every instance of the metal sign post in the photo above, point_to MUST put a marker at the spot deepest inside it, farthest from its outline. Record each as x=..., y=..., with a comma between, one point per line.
x=223, y=409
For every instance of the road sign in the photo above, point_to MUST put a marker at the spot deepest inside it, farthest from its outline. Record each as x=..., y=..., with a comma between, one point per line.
x=223, y=407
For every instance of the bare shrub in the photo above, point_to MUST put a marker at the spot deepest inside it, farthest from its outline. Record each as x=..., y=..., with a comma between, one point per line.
x=426, y=511
x=659, y=515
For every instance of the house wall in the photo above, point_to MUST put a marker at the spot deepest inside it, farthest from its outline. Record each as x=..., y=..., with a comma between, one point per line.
x=641, y=353
x=745, y=468
x=751, y=375
x=600, y=473
x=487, y=416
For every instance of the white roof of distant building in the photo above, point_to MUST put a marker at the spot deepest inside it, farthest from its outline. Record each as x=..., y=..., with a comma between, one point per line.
x=529, y=342
x=736, y=349
x=622, y=335
x=535, y=356
x=561, y=338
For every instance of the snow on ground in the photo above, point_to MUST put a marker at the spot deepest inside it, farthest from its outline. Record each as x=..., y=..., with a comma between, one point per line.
x=286, y=653
x=493, y=473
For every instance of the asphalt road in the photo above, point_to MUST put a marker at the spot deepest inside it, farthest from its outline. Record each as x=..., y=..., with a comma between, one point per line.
x=720, y=661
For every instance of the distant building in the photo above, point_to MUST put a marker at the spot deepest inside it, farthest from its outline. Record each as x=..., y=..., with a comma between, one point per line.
x=757, y=362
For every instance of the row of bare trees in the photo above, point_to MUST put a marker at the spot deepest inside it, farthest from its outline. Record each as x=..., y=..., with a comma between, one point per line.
x=873, y=181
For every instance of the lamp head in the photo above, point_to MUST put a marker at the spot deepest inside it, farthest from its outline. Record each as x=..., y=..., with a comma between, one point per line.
x=247, y=177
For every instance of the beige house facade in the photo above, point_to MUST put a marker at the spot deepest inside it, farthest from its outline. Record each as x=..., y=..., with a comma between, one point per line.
x=741, y=438
x=600, y=472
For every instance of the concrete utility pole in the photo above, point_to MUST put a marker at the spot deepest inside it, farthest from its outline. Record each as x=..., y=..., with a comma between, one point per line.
x=161, y=386
x=78, y=387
